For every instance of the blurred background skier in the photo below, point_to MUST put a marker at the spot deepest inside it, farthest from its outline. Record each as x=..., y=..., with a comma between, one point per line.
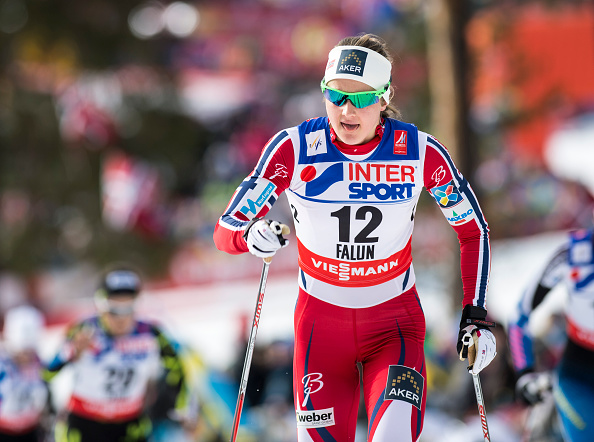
x=24, y=396
x=116, y=359
x=572, y=381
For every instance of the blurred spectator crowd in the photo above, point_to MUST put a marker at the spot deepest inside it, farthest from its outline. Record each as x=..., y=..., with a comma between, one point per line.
x=125, y=126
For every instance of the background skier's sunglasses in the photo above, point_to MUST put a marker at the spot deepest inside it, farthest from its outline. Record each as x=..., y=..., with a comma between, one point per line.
x=359, y=99
x=120, y=308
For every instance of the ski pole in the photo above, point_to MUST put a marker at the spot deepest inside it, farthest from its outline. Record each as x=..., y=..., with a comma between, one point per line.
x=468, y=340
x=250, y=350
x=279, y=229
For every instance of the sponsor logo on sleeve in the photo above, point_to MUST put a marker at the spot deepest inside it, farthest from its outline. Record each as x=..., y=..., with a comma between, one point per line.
x=460, y=218
x=447, y=195
x=280, y=170
x=404, y=384
x=400, y=146
x=460, y=213
x=315, y=418
x=254, y=200
x=351, y=61
x=316, y=142
x=438, y=175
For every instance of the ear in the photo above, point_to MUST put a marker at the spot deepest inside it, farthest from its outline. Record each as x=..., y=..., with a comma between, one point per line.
x=383, y=101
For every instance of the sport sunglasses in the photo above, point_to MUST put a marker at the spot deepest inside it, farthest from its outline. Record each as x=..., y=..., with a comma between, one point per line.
x=116, y=308
x=359, y=99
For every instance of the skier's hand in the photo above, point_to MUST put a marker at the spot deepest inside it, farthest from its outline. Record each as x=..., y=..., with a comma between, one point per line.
x=265, y=237
x=475, y=340
x=532, y=387
x=81, y=340
x=188, y=422
x=479, y=346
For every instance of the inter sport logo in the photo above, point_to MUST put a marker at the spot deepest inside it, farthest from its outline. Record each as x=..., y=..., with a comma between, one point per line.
x=364, y=180
x=319, y=183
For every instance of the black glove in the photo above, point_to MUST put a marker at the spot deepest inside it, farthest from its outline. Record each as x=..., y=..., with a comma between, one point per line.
x=473, y=318
x=532, y=388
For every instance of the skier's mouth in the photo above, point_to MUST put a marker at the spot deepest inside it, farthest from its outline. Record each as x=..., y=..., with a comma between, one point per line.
x=349, y=127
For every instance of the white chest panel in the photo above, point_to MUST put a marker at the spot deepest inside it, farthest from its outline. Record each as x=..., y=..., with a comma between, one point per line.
x=353, y=222
x=117, y=368
x=23, y=395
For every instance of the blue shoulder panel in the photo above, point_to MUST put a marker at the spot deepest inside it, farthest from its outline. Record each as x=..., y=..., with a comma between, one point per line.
x=400, y=142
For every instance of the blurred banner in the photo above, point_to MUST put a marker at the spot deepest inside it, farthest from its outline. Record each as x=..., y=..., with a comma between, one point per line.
x=130, y=193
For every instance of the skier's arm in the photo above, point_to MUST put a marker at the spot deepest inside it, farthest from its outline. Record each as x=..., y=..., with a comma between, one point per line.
x=256, y=194
x=77, y=339
x=175, y=377
x=520, y=338
x=459, y=205
x=174, y=373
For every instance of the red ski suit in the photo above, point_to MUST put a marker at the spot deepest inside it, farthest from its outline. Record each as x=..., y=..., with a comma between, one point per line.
x=353, y=213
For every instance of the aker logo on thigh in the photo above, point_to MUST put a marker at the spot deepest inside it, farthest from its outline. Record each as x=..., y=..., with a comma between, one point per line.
x=404, y=384
x=315, y=418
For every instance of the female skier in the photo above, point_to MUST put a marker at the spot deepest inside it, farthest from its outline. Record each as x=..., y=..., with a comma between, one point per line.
x=353, y=180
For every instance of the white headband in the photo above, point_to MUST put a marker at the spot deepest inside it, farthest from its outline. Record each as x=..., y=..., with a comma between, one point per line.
x=360, y=64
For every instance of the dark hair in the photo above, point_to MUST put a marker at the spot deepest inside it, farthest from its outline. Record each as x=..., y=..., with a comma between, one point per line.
x=120, y=279
x=377, y=44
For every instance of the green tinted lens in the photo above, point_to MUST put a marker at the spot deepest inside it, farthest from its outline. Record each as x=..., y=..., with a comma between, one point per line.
x=363, y=100
x=359, y=99
x=335, y=97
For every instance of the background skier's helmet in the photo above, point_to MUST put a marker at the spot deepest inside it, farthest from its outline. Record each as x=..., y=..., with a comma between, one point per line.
x=23, y=328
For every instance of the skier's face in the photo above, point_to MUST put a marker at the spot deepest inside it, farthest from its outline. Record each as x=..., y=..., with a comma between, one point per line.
x=119, y=318
x=352, y=125
x=24, y=357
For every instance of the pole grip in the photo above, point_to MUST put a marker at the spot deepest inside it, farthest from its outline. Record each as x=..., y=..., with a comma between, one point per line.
x=472, y=351
x=280, y=229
